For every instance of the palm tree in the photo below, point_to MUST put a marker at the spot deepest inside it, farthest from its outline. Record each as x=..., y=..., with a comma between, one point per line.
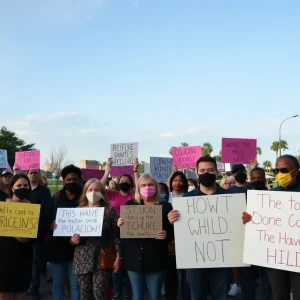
x=298, y=157
x=219, y=156
x=207, y=149
x=258, y=151
x=267, y=165
x=275, y=146
x=181, y=145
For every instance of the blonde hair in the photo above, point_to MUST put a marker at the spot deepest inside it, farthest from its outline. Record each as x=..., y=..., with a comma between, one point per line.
x=223, y=181
x=112, y=186
x=104, y=202
x=138, y=196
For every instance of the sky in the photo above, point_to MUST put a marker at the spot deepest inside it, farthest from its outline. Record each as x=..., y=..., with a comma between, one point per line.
x=84, y=74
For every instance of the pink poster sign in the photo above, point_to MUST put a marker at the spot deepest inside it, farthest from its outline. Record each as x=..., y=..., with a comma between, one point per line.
x=28, y=160
x=92, y=173
x=186, y=157
x=238, y=151
x=120, y=170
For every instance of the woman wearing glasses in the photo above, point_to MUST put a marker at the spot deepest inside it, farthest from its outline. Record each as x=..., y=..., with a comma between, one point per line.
x=288, y=178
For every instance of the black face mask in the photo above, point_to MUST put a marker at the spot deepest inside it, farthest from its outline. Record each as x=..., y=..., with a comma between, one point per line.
x=259, y=185
x=241, y=178
x=73, y=187
x=22, y=193
x=207, y=179
x=124, y=187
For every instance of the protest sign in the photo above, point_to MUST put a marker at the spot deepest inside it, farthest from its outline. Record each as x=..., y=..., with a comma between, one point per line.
x=124, y=154
x=120, y=170
x=86, y=221
x=238, y=151
x=220, y=167
x=208, y=229
x=272, y=238
x=19, y=219
x=3, y=159
x=186, y=157
x=27, y=160
x=92, y=173
x=191, y=175
x=141, y=221
x=161, y=168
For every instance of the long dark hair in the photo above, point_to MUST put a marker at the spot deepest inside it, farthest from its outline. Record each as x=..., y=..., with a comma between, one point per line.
x=130, y=179
x=165, y=188
x=14, y=180
x=184, y=181
x=294, y=161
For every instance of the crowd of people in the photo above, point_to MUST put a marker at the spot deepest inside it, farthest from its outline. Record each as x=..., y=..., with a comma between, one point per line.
x=132, y=268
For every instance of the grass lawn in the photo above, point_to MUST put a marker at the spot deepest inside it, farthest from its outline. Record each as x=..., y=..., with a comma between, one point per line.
x=53, y=189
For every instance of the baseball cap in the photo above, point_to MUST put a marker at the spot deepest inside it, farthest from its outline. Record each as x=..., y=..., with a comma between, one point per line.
x=4, y=172
x=237, y=167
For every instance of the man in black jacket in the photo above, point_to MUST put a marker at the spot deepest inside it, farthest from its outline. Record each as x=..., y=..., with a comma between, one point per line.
x=39, y=195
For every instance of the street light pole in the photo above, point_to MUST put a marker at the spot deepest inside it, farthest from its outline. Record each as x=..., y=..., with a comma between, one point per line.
x=295, y=116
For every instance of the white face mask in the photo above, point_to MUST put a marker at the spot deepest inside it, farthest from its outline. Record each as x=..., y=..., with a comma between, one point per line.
x=191, y=188
x=94, y=197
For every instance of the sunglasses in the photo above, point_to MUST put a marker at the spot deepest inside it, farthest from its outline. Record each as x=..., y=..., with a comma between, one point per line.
x=282, y=170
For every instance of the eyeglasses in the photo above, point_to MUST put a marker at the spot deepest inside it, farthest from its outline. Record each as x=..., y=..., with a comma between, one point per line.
x=282, y=170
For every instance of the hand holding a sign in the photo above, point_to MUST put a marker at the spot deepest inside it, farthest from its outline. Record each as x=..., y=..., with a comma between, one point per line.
x=161, y=235
x=173, y=216
x=120, y=222
x=253, y=163
x=22, y=240
x=75, y=239
x=246, y=218
x=136, y=165
x=108, y=164
x=53, y=225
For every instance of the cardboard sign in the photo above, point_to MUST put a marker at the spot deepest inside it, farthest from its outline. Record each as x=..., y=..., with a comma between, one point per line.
x=86, y=221
x=120, y=170
x=124, y=154
x=208, y=229
x=92, y=173
x=28, y=160
x=141, y=221
x=19, y=219
x=3, y=159
x=186, y=157
x=238, y=151
x=220, y=167
x=161, y=168
x=272, y=238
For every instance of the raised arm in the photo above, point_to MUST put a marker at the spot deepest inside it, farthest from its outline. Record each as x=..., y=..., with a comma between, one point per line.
x=107, y=171
x=136, y=171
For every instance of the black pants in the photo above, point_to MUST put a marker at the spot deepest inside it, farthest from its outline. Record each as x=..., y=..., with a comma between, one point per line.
x=171, y=280
x=283, y=282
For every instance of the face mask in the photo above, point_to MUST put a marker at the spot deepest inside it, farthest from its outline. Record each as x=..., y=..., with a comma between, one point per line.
x=259, y=185
x=207, y=179
x=94, y=197
x=147, y=191
x=72, y=187
x=191, y=188
x=241, y=178
x=22, y=193
x=284, y=179
x=124, y=187
x=163, y=196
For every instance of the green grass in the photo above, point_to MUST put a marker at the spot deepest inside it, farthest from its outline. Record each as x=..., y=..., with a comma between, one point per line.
x=53, y=189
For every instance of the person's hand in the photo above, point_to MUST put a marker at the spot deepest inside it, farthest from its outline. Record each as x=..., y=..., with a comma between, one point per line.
x=22, y=240
x=15, y=167
x=136, y=165
x=246, y=218
x=253, y=163
x=75, y=239
x=161, y=235
x=117, y=265
x=53, y=225
x=173, y=216
x=108, y=164
x=120, y=222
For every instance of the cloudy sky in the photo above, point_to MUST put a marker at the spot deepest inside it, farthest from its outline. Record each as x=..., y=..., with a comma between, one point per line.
x=87, y=73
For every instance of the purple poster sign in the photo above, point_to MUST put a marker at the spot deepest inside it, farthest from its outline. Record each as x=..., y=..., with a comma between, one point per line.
x=92, y=173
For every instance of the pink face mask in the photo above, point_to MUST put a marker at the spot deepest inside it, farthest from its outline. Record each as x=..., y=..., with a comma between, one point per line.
x=147, y=191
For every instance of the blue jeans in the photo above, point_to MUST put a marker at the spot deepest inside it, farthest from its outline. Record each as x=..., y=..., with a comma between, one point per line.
x=151, y=281
x=61, y=272
x=36, y=268
x=249, y=278
x=199, y=281
x=118, y=288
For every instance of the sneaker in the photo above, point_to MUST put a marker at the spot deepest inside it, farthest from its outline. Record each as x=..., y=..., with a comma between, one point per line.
x=234, y=290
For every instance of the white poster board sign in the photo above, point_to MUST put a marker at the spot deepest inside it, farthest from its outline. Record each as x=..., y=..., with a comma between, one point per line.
x=3, y=159
x=85, y=221
x=209, y=232
x=124, y=154
x=272, y=238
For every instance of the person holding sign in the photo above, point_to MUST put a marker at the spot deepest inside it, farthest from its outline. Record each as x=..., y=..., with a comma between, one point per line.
x=93, y=281
x=288, y=178
x=199, y=279
x=145, y=259
x=5, y=180
x=16, y=253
